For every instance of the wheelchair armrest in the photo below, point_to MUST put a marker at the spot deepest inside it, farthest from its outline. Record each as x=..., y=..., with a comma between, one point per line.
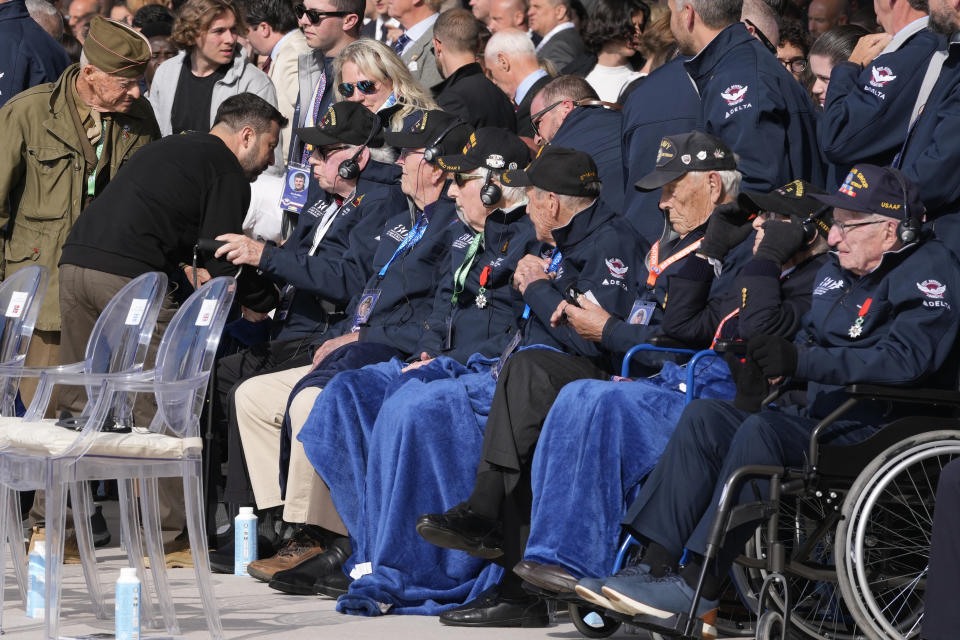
x=726, y=345
x=625, y=367
x=906, y=394
x=666, y=342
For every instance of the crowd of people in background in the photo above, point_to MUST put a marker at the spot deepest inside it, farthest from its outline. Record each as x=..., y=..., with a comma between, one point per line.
x=449, y=220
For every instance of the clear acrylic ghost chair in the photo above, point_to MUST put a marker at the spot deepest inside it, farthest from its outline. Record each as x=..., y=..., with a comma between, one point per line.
x=21, y=296
x=118, y=344
x=169, y=447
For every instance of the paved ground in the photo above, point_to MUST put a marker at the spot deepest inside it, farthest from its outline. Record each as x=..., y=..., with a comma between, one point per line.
x=249, y=609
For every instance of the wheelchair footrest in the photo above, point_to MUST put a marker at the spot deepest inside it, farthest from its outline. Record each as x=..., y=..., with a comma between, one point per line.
x=675, y=627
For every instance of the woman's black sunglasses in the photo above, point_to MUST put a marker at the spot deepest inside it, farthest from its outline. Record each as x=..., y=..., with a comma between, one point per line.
x=315, y=16
x=365, y=87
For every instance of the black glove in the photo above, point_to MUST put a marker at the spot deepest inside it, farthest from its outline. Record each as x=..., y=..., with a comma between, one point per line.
x=780, y=241
x=776, y=356
x=752, y=385
x=728, y=226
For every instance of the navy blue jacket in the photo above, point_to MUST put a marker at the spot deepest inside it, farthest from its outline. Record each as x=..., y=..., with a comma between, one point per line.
x=907, y=336
x=931, y=156
x=507, y=236
x=867, y=110
x=408, y=287
x=769, y=303
x=663, y=104
x=596, y=131
x=752, y=103
x=28, y=55
x=344, y=259
x=601, y=253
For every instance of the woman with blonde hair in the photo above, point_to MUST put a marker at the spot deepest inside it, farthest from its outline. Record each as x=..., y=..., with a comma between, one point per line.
x=369, y=72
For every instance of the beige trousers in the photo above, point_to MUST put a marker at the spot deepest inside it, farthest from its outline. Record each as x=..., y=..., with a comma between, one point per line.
x=260, y=405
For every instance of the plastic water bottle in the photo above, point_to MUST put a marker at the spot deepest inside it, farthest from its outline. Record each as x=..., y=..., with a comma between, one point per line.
x=244, y=540
x=36, y=569
x=127, y=608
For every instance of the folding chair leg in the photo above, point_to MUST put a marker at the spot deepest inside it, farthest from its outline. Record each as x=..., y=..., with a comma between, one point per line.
x=56, y=515
x=82, y=509
x=149, y=507
x=18, y=555
x=130, y=537
x=196, y=528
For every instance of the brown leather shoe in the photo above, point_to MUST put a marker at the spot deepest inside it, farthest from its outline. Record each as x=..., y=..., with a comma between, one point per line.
x=546, y=576
x=71, y=553
x=306, y=542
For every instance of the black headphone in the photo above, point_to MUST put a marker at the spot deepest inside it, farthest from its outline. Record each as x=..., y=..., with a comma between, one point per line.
x=433, y=151
x=812, y=224
x=490, y=193
x=909, y=228
x=349, y=169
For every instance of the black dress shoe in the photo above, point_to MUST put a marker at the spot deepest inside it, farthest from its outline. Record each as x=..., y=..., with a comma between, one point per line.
x=546, y=576
x=222, y=559
x=300, y=580
x=462, y=529
x=333, y=584
x=490, y=609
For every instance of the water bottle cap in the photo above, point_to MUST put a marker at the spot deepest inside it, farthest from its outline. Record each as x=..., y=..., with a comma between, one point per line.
x=40, y=547
x=128, y=572
x=246, y=511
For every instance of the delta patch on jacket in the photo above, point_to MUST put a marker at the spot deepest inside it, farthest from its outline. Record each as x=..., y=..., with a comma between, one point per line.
x=880, y=77
x=736, y=98
x=933, y=292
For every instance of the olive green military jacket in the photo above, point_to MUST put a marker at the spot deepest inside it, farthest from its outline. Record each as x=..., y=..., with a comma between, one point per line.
x=42, y=176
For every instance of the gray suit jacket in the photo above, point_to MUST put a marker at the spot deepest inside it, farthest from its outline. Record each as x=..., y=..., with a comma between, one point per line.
x=422, y=61
x=562, y=48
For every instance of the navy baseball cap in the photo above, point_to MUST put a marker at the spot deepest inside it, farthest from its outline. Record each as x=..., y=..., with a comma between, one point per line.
x=559, y=170
x=452, y=132
x=344, y=123
x=795, y=200
x=487, y=148
x=679, y=155
x=881, y=190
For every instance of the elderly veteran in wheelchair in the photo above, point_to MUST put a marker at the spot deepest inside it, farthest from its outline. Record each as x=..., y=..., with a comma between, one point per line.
x=882, y=313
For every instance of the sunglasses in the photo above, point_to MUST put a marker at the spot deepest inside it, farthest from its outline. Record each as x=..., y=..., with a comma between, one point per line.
x=538, y=116
x=314, y=16
x=463, y=178
x=365, y=87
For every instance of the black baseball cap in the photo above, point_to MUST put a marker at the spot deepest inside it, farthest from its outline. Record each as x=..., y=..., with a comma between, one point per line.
x=488, y=148
x=679, y=155
x=558, y=170
x=795, y=200
x=344, y=123
x=881, y=190
x=452, y=131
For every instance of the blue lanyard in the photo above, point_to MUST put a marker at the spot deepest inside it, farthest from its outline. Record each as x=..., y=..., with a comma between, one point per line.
x=554, y=265
x=411, y=239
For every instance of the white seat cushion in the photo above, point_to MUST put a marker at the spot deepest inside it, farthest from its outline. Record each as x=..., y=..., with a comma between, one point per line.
x=46, y=438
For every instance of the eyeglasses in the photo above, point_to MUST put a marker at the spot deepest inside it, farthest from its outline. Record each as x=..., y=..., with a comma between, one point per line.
x=845, y=227
x=366, y=87
x=794, y=65
x=314, y=16
x=538, y=116
x=326, y=152
x=463, y=178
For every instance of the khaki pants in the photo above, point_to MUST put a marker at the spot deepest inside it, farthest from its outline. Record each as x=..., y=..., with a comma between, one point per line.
x=86, y=293
x=260, y=405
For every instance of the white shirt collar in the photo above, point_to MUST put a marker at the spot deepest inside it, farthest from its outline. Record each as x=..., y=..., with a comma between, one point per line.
x=416, y=31
x=905, y=34
x=557, y=29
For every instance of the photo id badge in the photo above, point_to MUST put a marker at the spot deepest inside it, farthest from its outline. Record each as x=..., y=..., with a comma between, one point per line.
x=295, y=185
x=368, y=300
x=642, y=312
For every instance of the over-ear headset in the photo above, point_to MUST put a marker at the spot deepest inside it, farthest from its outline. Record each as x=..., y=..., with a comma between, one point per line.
x=811, y=223
x=349, y=169
x=909, y=228
x=433, y=151
x=490, y=192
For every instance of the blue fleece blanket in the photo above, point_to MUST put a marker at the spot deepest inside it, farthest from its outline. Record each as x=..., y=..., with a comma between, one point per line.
x=599, y=440
x=392, y=447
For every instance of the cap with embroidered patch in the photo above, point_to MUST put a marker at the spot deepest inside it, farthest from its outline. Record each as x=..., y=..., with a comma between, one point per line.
x=558, y=170
x=115, y=48
x=795, y=200
x=881, y=190
x=434, y=128
x=488, y=148
x=344, y=123
x=679, y=155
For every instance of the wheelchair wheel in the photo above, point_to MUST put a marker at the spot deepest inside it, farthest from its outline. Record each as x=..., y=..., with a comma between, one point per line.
x=591, y=622
x=817, y=608
x=770, y=626
x=883, y=542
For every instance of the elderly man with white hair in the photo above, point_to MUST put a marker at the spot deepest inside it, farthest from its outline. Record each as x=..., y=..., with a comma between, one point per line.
x=513, y=66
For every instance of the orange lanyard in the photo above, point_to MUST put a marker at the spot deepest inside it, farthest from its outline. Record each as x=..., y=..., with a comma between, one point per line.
x=716, y=335
x=656, y=268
